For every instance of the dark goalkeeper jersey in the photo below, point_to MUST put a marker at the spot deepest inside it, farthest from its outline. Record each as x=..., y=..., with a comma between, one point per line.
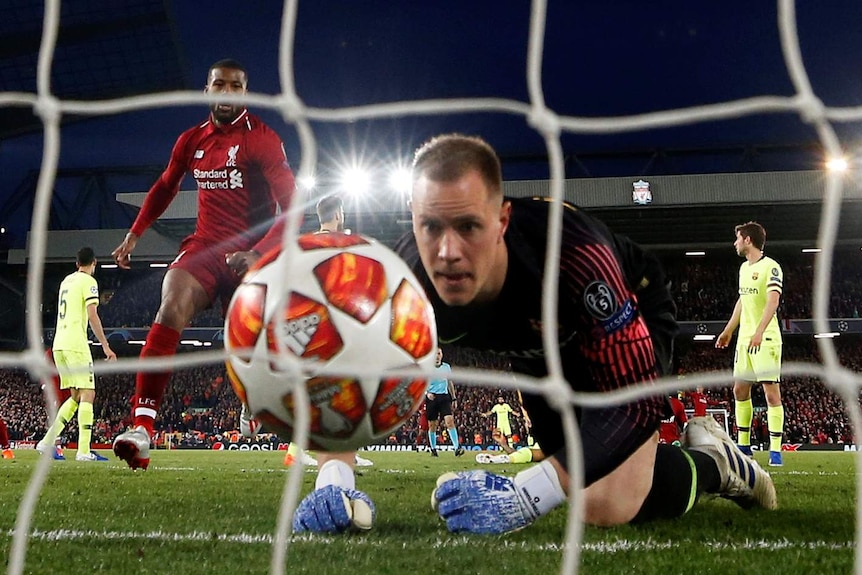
x=610, y=291
x=241, y=173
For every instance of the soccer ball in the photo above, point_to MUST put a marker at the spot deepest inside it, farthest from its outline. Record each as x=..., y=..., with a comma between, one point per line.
x=348, y=304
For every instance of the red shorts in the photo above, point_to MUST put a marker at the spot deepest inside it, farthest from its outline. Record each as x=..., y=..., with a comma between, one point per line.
x=206, y=263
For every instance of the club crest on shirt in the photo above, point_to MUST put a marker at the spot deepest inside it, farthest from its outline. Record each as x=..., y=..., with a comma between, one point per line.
x=231, y=155
x=754, y=276
x=600, y=300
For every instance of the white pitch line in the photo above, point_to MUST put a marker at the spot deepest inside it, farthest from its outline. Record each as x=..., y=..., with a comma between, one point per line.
x=602, y=547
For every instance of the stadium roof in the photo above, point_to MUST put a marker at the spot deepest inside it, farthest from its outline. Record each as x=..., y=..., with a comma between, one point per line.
x=599, y=60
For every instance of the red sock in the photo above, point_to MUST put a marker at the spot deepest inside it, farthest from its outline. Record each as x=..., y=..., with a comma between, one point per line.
x=4, y=435
x=150, y=385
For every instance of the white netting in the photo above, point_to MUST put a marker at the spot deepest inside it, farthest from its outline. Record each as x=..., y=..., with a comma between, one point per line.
x=544, y=120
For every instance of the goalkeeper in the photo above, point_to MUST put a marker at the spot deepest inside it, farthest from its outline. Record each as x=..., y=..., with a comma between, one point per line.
x=480, y=257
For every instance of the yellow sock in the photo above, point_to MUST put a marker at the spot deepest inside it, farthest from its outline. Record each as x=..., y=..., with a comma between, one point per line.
x=64, y=414
x=744, y=413
x=85, y=427
x=523, y=455
x=775, y=423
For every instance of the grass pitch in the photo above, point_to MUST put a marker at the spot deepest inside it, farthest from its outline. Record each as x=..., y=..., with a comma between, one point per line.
x=215, y=512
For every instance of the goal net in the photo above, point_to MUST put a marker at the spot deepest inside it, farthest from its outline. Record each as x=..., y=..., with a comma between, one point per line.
x=549, y=125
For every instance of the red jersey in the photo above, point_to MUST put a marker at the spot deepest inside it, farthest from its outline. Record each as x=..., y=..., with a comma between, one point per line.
x=671, y=427
x=242, y=176
x=701, y=402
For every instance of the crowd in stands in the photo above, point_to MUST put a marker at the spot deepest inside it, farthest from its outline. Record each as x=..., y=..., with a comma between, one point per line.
x=201, y=408
x=704, y=290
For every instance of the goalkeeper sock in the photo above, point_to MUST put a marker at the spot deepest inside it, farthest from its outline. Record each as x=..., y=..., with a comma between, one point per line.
x=453, y=435
x=335, y=472
x=744, y=414
x=775, y=423
x=679, y=476
x=85, y=427
x=64, y=415
x=540, y=488
x=150, y=386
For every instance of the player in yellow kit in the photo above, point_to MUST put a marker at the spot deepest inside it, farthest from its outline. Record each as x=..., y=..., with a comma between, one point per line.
x=758, y=347
x=76, y=308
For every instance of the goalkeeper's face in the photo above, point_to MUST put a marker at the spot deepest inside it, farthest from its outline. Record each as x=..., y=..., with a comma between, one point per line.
x=226, y=81
x=459, y=227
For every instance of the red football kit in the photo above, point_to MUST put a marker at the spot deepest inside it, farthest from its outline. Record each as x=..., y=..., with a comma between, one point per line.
x=243, y=178
x=671, y=427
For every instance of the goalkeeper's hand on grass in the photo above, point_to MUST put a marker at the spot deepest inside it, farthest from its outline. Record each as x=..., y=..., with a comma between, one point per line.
x=481, y=502
x=334, y=509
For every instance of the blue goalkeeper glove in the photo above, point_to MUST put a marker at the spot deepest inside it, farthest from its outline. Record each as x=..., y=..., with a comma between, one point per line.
x=334, y=509
x=481, y=502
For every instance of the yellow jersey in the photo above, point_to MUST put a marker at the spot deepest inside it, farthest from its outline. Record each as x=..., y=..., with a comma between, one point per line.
x=77, y=291
x=755, y=282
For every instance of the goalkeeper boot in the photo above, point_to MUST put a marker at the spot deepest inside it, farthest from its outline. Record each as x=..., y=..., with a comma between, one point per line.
x=775, y=459
x=133, y=447
x=743, y=481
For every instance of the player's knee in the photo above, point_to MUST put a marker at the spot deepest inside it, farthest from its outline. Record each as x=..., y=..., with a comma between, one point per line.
x=605, y=509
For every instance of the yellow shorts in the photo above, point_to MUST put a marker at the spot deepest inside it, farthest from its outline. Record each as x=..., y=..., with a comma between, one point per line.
x=505, y=429
x=762, y=365
x=75, y=368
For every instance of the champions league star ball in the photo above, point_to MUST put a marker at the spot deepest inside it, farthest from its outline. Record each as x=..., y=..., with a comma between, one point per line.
x=351, y=305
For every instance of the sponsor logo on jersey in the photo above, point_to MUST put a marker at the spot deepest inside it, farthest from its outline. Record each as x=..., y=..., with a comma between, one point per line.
x=219, y=179
x=199, y=154
x=748, y=291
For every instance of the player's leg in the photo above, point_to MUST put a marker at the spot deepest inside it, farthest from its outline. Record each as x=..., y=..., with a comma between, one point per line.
x=743, y=376
x=294, y=454
x=422, y=434
x=4, y=441
x=432, y=412
x=65, y=361
x=182, y=297
x=86, y=398
x=432, y=436
x=449, y=421
x=774, y=421
x=767, y=367
x=744, y=412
